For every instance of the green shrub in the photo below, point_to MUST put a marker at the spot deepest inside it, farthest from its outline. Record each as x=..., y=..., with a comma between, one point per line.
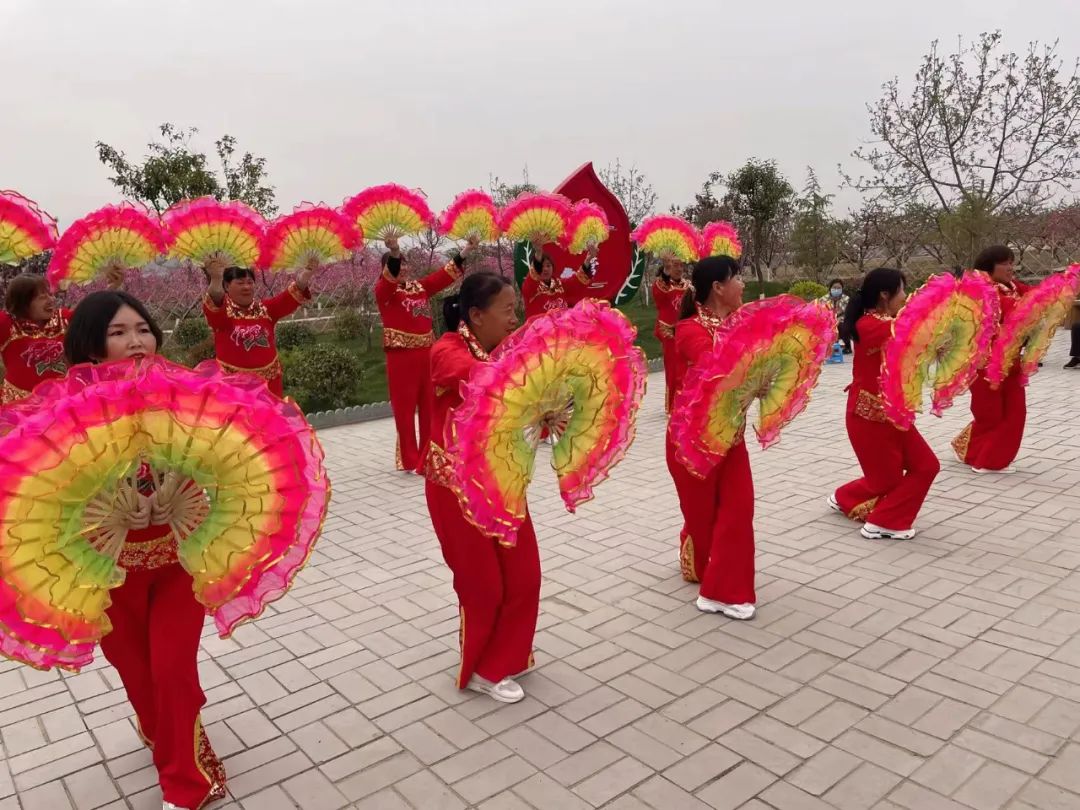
x=204, y=351
x=322, y=377
x=190, y=333
x=349, y=325
x=807, y=290
x=753, y=289
x=293, y=335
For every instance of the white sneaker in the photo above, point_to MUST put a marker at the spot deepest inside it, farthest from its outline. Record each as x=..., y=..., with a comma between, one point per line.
x=834, y=504
x=505, y=691
x=740, y=612
x=872, y=532
x=171, y=806
x=981, y=471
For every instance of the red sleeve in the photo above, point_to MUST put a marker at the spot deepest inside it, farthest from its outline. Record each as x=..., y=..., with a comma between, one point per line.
x=577, y=287
x=691, y=341
x=441, y=279
x=657, y=294
x=529, y=287
x=874, y=333
x=215, y=315
x=385, y=287
x=286, y=303
x=5, y=327
x=451, y=362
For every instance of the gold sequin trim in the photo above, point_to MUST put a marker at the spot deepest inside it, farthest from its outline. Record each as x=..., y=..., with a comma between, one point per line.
x=686, y=560
x=148, y=556
x=869, y=407
x=666, y=330
x=396, y=339
x=209, y=766
x=270, y=371
x=439, y=466
x=863, y=510
x=961, y=443
x=11, y=393
x=54, y=329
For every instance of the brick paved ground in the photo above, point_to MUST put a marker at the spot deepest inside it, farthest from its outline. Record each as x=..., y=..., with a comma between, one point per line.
x=928, y=675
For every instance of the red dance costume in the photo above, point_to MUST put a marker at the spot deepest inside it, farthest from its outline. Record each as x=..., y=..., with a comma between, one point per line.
x=991, y=441
x=405, y=308
x=244, y=336
x=668, y=297
x=716, y=545
x=154, y=645
x=498, y=587
x=541, y=297
x=898, y=465
x=32, y=352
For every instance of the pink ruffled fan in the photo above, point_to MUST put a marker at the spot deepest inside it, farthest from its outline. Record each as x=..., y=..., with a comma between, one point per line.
x=947, y=324
x=575, y=373
x=1028, y=330
x=768, y=350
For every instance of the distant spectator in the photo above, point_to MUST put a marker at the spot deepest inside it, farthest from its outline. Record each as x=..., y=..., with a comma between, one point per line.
x=837, y=300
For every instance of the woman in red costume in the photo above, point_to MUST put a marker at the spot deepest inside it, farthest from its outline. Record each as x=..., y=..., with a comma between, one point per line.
x=990, y=443
x=156, y=620
x=542, y=292
x=405, y=308
x=498, y=588
x=716, y=545
x=668, y=292
x=243, y=327
x=32, y=330
x=898, y=466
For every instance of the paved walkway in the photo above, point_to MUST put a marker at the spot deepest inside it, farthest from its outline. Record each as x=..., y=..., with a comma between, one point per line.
x=941, y=673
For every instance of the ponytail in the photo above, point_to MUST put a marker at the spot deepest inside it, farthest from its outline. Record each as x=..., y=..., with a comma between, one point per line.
x=451, y=312
x=886, y=280
x=708, y=271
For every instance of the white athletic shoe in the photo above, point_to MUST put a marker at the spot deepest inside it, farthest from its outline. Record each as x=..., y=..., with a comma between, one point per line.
x=981, y=471
x=505, y=691
x=171, y=806
x=834, y=505
x=872, y=532
x=740, y=612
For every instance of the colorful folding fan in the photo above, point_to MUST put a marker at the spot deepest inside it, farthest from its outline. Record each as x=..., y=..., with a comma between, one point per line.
x=259, y=492
x=124, y=235
x=206, y=228
x=25, y=230
x=575, y=373
x=388, y=211
x=721, y=239
x=666, y=236
x=472, y=215
x=536, y=217
x=310, y=232
x=1029, y=328
x=587, y=228
x=771, y=351
x=948, y=324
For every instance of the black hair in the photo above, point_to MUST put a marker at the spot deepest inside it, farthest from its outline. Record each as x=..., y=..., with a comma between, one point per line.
x=231, y=274
x=87, y=332
x=836, y=281
x=991, y=257
x=477, y=292
x=21, y=291
x=707, y=272
x=887, y=280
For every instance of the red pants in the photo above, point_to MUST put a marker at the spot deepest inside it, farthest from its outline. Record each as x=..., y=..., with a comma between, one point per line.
x=668, y=345
x=153, y=645
x=898, y=468
x=408, y=376
x=992, y=440
x=498, y=591
x=716, y=545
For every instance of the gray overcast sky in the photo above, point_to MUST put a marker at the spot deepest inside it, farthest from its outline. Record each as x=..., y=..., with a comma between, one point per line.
x=440, y=93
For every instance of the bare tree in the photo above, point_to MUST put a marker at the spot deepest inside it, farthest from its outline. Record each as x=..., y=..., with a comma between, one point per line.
x=981, y=131
x=633, y=189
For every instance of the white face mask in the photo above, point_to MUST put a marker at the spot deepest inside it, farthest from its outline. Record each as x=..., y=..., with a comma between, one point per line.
x=836, y=292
